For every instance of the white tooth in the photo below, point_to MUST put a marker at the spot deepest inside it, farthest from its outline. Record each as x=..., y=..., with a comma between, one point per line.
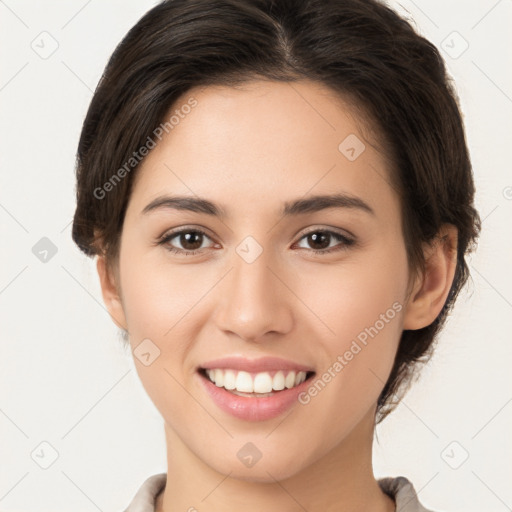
x=262, y=383
x=211, y=374
x=244, y=382
x=290, y=380
x=301, y=377
x=278, y=381
x=219, y=378
x=229, y=379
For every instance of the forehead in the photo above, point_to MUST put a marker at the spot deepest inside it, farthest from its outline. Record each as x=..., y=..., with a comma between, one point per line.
x=261, y=142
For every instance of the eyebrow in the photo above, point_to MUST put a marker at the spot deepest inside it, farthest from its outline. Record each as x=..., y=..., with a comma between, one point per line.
x=309, y=204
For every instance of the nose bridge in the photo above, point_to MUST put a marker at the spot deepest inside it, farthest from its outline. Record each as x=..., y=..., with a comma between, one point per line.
x=253, y=301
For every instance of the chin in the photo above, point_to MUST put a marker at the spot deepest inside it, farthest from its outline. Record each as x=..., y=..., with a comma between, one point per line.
x=265, y=472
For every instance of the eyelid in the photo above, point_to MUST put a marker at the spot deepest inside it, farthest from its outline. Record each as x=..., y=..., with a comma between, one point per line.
x=167, y=235
x=181, y=229
x=344, y=242
x=329, y=229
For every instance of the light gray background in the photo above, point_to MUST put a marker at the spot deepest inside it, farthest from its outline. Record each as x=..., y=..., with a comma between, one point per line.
x=64, y=380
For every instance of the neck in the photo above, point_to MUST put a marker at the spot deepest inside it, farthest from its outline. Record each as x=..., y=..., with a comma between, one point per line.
x=342, y=479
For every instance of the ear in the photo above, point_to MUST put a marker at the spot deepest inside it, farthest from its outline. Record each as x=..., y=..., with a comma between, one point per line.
x=431, y=289
x=110, y=292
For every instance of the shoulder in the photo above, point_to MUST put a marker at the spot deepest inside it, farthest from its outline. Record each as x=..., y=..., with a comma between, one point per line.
x=404, y=494
x=144, y=499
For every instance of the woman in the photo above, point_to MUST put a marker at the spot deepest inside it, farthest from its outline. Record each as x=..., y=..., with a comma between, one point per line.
x=280, y=199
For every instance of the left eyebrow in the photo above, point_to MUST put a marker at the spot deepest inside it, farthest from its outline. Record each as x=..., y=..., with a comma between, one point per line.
x=322, y=202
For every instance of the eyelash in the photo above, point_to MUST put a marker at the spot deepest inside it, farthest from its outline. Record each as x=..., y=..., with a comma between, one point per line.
x=347, y=242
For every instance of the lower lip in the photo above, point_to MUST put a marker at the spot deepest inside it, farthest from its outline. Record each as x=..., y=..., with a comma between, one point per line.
x=253, y=408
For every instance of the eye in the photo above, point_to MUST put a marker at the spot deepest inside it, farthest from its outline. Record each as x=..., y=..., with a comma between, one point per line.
x=191, y=241
x=322, y=239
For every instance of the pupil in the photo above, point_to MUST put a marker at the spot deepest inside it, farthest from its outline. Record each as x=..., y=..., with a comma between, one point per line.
x=324, y=237
x=188, y=239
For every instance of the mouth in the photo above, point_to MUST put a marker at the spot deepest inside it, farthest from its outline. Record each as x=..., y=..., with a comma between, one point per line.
x=255, y=384
x=254, y=389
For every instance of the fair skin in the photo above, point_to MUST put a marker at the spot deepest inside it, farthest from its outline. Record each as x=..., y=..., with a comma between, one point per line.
x=249, y=150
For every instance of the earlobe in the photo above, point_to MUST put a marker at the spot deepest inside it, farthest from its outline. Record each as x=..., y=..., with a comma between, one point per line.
x=110, y=292
x=431, y=289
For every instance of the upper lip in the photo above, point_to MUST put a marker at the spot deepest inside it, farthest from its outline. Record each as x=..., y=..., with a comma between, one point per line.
x=261, y=364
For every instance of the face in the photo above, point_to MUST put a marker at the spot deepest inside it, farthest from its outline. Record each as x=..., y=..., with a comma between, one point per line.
x=273, y=273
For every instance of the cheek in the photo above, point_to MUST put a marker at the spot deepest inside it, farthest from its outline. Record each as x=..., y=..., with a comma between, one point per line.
x=360, y=308
x=158, y=297
x=354, y=295
x=159, y=300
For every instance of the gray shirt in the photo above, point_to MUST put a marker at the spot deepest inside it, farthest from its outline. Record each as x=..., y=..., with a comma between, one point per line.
x=399, y=488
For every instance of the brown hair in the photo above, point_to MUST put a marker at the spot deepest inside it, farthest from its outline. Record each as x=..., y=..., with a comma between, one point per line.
x=361, y=49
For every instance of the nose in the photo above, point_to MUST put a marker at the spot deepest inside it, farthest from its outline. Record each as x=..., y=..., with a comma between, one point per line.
x=254, y=300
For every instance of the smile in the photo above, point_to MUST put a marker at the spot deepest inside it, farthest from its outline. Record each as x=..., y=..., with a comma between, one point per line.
x=259, y=384
x=254, y=389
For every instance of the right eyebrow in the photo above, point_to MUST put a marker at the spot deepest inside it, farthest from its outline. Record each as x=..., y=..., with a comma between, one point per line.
x=192, y=204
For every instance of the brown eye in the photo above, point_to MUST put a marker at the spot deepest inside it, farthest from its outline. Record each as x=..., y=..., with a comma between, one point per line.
x=189, y=241
x=319, y=241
